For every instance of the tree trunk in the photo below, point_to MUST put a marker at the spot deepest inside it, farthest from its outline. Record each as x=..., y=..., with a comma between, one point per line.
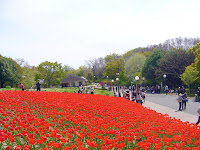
x=2, y=84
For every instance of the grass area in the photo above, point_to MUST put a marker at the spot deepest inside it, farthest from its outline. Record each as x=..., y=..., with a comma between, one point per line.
x=75, y=89
x=69, y=90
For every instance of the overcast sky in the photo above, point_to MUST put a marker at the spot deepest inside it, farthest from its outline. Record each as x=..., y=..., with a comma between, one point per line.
x=73, y=31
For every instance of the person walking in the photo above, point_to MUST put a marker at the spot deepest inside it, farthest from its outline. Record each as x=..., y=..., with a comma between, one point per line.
x=22, y=86
x=166, y=89
x=183, y=91
x=143, y=95
x=38, y=84
x=198, y=111
x=184, y=100
x=138, y=98
x=179, y=99
x=179, y=90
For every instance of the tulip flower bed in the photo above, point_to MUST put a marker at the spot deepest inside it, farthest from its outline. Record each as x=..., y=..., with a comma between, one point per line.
x=70, y=121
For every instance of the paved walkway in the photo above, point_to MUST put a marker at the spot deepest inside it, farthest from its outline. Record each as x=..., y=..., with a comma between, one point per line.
x=167, y=104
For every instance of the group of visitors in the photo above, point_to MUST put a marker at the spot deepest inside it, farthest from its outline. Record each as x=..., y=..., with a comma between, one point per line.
x=133, y=94
x=38, y=85
x=84, y=90
x=182, y=98
x=138, y=95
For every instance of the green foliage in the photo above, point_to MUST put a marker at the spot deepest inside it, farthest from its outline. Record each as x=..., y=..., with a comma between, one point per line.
x=134, y=64
x=147, y=54
x=114, y=64
x=85, y=72
x=30, y=76
x=8, y=87
x=10, y=71
x=196, y=51
x=150, y=65
x=128, y=54
x=173, y=64
x=51, y=73
x=190, y=75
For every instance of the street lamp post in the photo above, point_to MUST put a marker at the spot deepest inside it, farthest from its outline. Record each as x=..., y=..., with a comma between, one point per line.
x=117, y=79
x=137, y=78
x=117, y=88
x=143, y=78
x=164, y=76
x=113, y=85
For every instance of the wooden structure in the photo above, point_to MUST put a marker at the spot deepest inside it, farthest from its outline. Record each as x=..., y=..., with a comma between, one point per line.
x=73, y=80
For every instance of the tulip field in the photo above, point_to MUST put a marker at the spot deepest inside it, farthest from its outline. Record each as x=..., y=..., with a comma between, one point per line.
x=71, y=121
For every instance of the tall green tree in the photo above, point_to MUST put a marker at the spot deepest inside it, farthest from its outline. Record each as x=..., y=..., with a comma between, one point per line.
x=173, y=64
x=29, y=73
x=150, y=65
x=85, y=72
x=10, y=71
x=190, y=75
x=68, y=70
x=51, y=73
x=114, y=64
x=29, y=77
x=196, y=51
x=134, y=64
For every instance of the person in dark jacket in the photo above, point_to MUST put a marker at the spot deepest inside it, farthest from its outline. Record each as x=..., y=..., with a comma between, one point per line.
x=38, y=84
x=184, y=100
x=179, y=90
x=183, y=91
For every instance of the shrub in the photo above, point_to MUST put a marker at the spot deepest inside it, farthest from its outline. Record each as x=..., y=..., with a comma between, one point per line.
x=8, y=87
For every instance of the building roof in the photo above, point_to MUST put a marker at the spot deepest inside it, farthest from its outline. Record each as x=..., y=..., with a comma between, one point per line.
x=72, y=78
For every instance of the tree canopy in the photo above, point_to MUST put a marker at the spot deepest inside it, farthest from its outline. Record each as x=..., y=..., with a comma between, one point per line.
x=150, y=65
x=10, y=71
x=173, y=64
x=134, y=64
x=51, y=73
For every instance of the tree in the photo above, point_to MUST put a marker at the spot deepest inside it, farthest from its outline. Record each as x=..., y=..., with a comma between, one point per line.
x=97, y=66
x=10, y=71
x=150, y=65
x=51, y=73
x=134, y=64
x=114, y=64
x=29, y=77
x=173, y=64
x=68, y=70
x=23, y=63
x=190, y=75
x=29, y=73
x=85, y=72
x=180, y=43
x=196, y=51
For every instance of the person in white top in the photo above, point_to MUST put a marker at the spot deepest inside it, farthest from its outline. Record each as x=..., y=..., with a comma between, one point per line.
x=198, y=110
